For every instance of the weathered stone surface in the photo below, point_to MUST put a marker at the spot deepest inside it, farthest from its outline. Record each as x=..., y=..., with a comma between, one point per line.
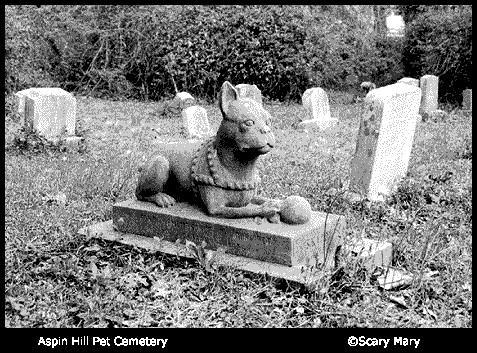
x=196, y=122
x=316, y=104
x=429, y=87
x=385, y=137
x=409, y=81
x=281, y=243
x=467, y=100
x=371, y=253
x=105, y=230
x=48, y=110
x=437, y=116
x=249, y=91
x=317, y=124
x=220, y=174
x=295, y=210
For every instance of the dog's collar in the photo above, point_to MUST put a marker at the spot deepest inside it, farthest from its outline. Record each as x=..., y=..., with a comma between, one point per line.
x=218, y=175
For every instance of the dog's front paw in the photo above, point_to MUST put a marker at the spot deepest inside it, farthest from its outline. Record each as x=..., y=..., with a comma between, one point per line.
x=269, y=209
x=164, y=200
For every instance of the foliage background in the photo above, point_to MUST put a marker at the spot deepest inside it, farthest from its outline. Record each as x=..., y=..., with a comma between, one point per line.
x=129, y=51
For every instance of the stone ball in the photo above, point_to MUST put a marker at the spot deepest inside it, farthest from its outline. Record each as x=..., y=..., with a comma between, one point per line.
x=295, y=210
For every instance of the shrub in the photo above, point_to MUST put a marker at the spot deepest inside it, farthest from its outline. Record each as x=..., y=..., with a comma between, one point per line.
x=133, y=51
x=440, y=43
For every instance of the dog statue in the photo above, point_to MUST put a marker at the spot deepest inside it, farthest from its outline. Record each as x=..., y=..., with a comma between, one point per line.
x=219, y=174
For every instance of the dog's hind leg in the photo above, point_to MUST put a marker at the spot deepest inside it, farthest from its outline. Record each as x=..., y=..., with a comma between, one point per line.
x=151, y=182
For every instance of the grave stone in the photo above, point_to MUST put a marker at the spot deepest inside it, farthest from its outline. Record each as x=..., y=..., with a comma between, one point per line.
x=385, y=137
x=409, y=81
x=249, y=91
x=467, y=101
x=196, y=123
x=185, y=99
x=48, y=110
x=429, y=87
x=317, y=107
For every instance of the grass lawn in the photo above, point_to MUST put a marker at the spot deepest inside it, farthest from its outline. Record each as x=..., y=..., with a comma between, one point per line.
x=55, y=277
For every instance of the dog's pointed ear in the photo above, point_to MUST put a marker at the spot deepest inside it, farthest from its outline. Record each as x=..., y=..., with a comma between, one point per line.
x=228, y=94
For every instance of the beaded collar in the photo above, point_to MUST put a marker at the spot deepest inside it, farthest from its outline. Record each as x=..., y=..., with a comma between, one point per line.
x=219, y=176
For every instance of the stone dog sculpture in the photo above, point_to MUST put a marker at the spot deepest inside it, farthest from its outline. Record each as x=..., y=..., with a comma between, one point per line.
x=220, y=173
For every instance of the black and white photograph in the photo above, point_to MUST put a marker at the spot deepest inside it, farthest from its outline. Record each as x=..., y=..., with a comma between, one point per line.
x=237, y=166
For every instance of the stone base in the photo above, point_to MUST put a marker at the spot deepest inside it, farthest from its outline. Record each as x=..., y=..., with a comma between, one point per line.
x=105, y=230
x=72, y=143
x=319, y=124
x=312, y=243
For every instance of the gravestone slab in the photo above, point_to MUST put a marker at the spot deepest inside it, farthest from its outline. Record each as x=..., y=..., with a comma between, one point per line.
x=316, y=104
x=409, y=81
x=317, y=124
x=385, y=137
x=467, y=101
x=429, y=86
x=249, y=91
x=283, y=244
x=48, y=110
x=196, y=122
x=184, y=100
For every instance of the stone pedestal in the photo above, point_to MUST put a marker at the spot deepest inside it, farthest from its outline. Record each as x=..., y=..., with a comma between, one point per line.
x=289, y=245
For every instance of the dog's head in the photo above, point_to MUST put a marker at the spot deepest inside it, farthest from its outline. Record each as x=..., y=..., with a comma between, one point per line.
x=245, y=125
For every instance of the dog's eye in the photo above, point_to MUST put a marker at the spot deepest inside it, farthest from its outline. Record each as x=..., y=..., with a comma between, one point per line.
x=249, y=122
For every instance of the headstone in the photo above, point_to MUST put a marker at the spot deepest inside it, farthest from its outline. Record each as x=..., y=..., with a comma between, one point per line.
x=186, y=100
x=317, y=107
x=249, y=91
x=467, y=101
x=385, y=137
x=280, y=243
x=317, y=124
x=429, y=87
x=196, y=123
x=409, y=81
x=48, y=110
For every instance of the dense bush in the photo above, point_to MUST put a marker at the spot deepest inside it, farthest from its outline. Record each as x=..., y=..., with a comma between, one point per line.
x=134, y=51
x=27, y=57
x=440, y=43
